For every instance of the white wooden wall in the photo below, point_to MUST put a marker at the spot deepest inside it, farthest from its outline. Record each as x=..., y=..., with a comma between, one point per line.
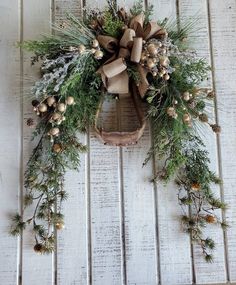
x=120, y=229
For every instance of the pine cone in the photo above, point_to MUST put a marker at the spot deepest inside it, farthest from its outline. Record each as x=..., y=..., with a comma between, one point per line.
x=30, y=123
x=38, y=248
x=203, y=118
x=210, y=219
x=211, y=95
x=216, y=129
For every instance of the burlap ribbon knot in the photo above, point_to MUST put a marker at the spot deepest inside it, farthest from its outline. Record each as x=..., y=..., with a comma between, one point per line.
x=114, y=71
x=115, y=76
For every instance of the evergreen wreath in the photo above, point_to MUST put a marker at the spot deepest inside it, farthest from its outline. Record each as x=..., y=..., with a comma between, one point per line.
x=108, y=54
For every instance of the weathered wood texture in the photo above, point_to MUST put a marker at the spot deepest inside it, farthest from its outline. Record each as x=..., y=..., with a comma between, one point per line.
x=120, y=228
x=35, y=17
x=10, y=138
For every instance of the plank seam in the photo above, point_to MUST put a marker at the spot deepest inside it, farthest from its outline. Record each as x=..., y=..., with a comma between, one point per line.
x=21, y=162
x=122, y=217
x=156, y=218
x=219, y=154
x=122, y=206
x=88, y=191
x=55, y=253
x=88, y=210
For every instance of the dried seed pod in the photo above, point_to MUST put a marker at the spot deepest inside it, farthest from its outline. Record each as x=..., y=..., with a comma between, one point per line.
x=42, y=108
x=150, y=63
x=152, y=49
x=70, y=100
x=98, y=54
x=95, y=43
x=166, y=76
x=186, y=118
x=61, y=107
x=164, y=61
x=81, y=48
x=186, y=96
x=50, y=101
x=54, y=132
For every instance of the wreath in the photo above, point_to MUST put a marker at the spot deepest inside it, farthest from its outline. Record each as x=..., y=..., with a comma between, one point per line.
x=113, y=54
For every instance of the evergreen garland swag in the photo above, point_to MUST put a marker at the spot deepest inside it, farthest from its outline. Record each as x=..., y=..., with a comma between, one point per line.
x=109, y=53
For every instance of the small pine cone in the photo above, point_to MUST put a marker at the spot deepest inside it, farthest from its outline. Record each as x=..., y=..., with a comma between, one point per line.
x=211, y=95
x=57, y=148
x=35, y=103
x=60, y=225
x=203, y=118
x=210, y=219
x=195, y=187
x=38, y=248
x=30, y=123
x=216, y=129
x=192, y=105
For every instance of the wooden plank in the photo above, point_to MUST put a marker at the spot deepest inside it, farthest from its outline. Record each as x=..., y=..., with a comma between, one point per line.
x=163, y=9
x=139, y=206
x=10, y=137
x=223, y=21
x=138, y=200
x=104, y=175
x=36, y=269
x=216, y=271
x=174, y=245
x=72, y=251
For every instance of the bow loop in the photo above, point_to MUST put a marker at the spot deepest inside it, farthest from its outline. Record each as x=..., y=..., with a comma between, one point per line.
x=137, y=24
x=108, y=43
x=114, y=71
x=128, y=38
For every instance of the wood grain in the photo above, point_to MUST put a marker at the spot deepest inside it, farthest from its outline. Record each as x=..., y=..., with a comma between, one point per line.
x=10, y=137
x=139, y=207
x=72, y=250
x=36, y=269
x=223, y=21
x=216, y=271
x=105, y=202
x=174, y=245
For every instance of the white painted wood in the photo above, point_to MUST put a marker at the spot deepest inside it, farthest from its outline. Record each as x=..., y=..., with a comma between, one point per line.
x=10, y=137
x=174, y=245
x=139, y=206
x=72, y=251
x=216, y=271
x=111, y=234
x=105, y=202
x=223, y=22
x=138, y=200
x=37, y=269
x=163, y=9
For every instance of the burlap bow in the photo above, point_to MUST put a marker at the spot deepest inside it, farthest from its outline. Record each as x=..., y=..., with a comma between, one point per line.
x=115, y=76
x=114, y=71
